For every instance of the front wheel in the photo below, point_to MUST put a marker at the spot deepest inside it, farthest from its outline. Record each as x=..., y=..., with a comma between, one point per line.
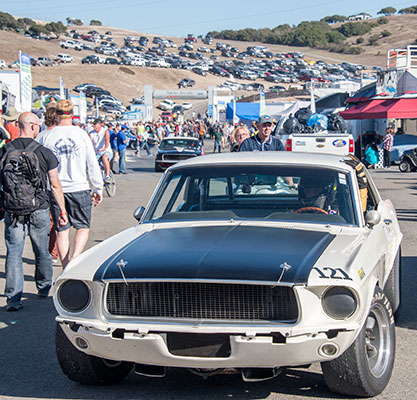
x=404, y=166
x=86, y=369
x=365, y=368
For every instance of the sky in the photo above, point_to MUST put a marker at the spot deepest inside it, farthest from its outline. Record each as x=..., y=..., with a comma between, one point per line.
x=180, y=17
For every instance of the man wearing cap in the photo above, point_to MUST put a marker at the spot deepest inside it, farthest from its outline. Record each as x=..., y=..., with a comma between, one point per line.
x=77, y=166
x=11, y=125
x=263, y=141
x=388, y=143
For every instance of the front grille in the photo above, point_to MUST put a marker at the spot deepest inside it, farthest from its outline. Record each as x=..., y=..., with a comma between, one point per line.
x=177, y=157
x=208, y=301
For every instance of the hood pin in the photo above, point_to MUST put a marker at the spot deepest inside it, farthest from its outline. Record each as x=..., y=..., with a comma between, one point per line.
x=285, y=267
x=121, y=264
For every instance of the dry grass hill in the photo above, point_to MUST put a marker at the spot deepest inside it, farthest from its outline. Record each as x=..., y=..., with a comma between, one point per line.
x=126, y=83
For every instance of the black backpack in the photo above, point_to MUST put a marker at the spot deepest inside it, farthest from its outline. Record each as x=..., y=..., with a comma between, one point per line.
x=21, y=178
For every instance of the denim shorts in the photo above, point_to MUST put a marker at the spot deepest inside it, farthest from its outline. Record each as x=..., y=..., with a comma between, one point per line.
x=78, y=206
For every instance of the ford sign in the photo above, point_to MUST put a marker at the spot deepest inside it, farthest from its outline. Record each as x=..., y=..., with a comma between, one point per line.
x=339, y=143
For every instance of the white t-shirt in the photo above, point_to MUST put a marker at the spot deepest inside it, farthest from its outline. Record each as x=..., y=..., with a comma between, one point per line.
x=99, y=140
x=77, y=159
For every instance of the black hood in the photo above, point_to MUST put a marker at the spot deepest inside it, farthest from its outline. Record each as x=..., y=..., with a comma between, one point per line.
x=218, y=252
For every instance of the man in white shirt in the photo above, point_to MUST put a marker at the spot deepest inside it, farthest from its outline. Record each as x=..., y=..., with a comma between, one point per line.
x=100, y=136
x=75, y=153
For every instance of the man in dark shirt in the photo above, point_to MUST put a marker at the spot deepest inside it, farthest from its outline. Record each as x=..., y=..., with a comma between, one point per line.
x=36, y=224
x=263, y=141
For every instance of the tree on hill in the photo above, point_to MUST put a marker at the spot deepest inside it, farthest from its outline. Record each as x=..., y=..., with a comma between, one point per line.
x=408, y=10
x=355, y=28
x=7, y=21
x=95, y=22
x=387, y=11
x=56, y=28
x=332, y=19
x=37, y=29
x=26, y=22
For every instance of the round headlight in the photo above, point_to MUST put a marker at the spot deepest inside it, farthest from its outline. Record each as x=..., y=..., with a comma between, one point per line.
x=74, y=295
x=339, y=302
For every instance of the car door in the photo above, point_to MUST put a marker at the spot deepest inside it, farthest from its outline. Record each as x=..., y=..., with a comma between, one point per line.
x=384, y=237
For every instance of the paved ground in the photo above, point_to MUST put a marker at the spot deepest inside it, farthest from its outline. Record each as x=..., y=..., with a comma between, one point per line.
x=29, y=369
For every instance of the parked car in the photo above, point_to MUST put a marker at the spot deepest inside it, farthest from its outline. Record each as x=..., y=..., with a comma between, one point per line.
x=233, y=267
x=84, y=86
x=2, y=64
x=401, y=144
x=45, y=61
x=166, y=105
x=92, y=59
x=166, y=116
x=92, y=91
x=187, y=106
x=186, y=82
x=110, y=60
x=64, y=58
x=408, y=161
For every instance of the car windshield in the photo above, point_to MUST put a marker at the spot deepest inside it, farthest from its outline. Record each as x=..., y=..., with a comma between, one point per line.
x=170, y=143
x=280, y=193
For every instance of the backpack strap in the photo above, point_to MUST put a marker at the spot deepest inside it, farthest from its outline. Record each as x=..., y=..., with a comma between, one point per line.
x=33, y=145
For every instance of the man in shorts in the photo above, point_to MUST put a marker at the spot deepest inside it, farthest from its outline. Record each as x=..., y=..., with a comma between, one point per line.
x=100, y=136
x=77, y=159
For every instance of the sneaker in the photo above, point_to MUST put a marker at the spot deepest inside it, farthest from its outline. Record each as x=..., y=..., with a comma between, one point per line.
x=108, y=179
x=123, y=172
x=54, y=261
x=150, y=155
x=42, y=295
x=14, y=307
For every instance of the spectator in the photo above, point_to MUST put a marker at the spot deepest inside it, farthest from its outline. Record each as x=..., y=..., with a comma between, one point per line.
x=77, y=159
x=121, y=143
x=388, y=142
x=100, y=136
x=11, y=117
x=113, y=143
x=263, y=141
x=238, y=136
x=217, y=136
x=36, y=223
x=50, y=121
x=371, y=155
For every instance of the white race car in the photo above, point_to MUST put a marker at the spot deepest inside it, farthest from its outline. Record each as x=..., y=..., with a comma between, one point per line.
x=244, y=261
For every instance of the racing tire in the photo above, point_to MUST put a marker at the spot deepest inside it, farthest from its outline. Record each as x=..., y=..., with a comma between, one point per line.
x=404, y=166
x=392, y=288
x=86, y=369
x=365, y=368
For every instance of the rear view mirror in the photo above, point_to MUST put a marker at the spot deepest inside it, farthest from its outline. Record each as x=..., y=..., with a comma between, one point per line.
x=372, y=218
x=138, y=213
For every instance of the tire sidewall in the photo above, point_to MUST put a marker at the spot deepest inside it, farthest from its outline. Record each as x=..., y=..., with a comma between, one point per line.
x=377, y=384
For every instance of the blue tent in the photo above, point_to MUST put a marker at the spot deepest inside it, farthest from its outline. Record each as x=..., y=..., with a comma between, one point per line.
x=244, y=111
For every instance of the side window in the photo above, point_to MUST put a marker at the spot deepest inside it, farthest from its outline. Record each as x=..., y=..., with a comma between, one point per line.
x=218, y=188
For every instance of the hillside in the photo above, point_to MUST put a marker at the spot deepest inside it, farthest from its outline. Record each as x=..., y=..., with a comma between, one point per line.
x=127, y=82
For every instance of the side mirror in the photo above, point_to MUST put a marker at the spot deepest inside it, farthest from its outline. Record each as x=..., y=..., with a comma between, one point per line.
x=372, y=218
x=137, y=214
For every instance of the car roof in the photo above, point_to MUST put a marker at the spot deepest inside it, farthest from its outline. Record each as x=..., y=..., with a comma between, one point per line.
x=179, y=137
x=268, y=158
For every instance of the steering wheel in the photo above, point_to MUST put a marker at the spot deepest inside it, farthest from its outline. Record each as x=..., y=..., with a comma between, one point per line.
x=311, y=210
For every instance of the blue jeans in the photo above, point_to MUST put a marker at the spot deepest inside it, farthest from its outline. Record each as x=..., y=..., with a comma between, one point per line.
x=122, y=160
x=37, y=225
x=143, y=145
x=217, y=146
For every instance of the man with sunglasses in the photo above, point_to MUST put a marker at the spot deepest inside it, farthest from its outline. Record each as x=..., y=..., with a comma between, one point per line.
x=16, y=167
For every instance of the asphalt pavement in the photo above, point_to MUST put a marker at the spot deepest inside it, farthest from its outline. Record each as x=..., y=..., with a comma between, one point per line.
x=29, y=368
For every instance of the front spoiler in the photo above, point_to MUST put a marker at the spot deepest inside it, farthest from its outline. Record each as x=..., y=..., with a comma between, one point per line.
x=246, y=351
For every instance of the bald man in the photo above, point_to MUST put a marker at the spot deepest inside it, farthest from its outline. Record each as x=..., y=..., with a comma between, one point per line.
x=36, y=223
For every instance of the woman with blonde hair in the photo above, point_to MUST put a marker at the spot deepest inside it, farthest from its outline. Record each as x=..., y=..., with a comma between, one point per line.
x=238, y=136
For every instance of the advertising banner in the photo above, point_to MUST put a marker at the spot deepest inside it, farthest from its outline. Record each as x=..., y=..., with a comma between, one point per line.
x=25, y=82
